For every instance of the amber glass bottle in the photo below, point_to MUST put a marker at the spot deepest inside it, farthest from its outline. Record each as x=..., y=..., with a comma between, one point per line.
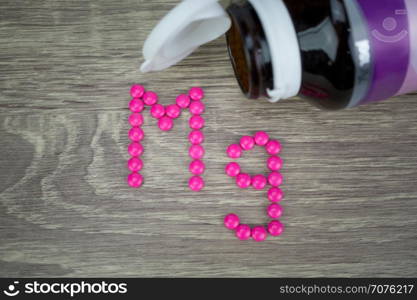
x=336, y=53
x=341, y=57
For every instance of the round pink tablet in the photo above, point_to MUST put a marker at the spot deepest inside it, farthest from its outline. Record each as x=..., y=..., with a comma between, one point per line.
x=135, y=180
x=243, y=232
x=197, y=107
x=275, y=211
x=197, y=167
x=232, y=169
x=275, y=179
x=196, y=183
x=136, y=134
x=157, y=111
x=261, y=138
x=173, y=111
x=196, y=152
x=274, y=163
x=259, y=182
x=165, y=123
x=234, y=151
x=136, y=105
x=259, y=233
x=183, y=101
x=196, y=122
x=231, y=221
x=136, y=120
x=247, y=143
x=135, y=164
x=275, y=194
x=273, y=147
x=150, y=98
x=196, y=137
x=243, y=180
x=275, y=228
x=135, y=149
x=196, y=93
x=137, y=91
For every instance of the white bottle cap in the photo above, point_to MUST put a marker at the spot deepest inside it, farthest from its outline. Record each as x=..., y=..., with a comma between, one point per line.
x=189, y=25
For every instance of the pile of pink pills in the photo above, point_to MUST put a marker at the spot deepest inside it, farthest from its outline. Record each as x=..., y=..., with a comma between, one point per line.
x=196, y=136
x=258, y=182
x=136, y=135
x=165, y=116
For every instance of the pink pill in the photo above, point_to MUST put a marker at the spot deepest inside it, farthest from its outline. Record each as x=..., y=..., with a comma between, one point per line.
x=135, y=164
x=196, y=183
x=183, y=101
x=273, y=147
x=275, y=228
x=136, y=134
x=243, y=232
x=157, y=111
x=173, y=111
x=137, y=91
x=196, y=152
x=261, y=138
x=274, y=163
x=232, y=169
x=196, y=122
x=275, y=211
x=165, y=123
x=135, y=180
x=275, y=194
x=243, y=180
x=247, y=143
x=259, y=233
x=136, y=105
x=150, y=98
x=196, y=93
x=135, y=149
x=231, y=221
x=259, y=182
x=197, y=167
x=234, y=151
x=196, y=137
x=136, y=120
x=197, y=107
x=275, y=179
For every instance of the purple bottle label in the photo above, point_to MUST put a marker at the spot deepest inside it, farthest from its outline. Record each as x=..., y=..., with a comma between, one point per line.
x=392, y=28
x=410, y=83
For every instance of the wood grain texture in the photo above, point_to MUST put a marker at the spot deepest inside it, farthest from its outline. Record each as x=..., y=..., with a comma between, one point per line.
x=65, y=210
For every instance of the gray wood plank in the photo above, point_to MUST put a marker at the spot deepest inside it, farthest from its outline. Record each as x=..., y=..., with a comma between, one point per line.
x=65, y=210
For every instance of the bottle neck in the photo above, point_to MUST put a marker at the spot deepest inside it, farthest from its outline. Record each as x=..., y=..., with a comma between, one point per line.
x=264, y=49
x=249, y=51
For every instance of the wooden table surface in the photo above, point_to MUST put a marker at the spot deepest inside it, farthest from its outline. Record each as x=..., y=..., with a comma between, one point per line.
x=65, y=210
